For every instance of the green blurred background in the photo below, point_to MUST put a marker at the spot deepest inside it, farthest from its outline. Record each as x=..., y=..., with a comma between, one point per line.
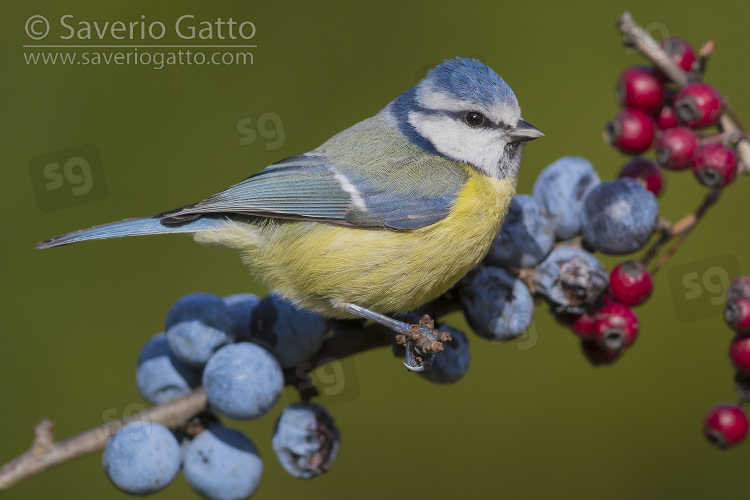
x=531, y=419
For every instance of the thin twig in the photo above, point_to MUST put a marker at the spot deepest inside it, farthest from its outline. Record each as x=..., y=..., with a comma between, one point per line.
x=348, y=339
x=45, y=453
x=637, y=37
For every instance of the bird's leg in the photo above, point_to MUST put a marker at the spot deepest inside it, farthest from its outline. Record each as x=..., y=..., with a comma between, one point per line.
x=421, y=340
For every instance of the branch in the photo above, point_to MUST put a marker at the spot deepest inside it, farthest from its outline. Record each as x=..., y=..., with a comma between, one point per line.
x=350, y=338
x=637, y=37
x=45, y=453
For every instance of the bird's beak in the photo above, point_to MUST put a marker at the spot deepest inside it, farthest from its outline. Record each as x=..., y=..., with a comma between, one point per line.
x=524, y=131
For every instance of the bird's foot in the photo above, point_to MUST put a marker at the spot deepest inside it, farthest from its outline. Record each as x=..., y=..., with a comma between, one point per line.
x=422, y=342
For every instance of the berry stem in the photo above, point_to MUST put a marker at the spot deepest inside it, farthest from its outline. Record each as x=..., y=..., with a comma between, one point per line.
x=679, y=230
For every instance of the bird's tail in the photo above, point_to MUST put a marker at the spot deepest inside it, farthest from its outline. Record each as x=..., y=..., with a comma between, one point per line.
x=135, y=227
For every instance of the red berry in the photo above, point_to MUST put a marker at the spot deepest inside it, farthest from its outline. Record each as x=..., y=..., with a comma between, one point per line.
x=638, y=87
x=646, y=172
x=740, y=287
x=583, y=326
x=616, y=327
x=698, y=105
x=725, y=425
x=631, y=283
x=666, y=118
x=681, y=53
x=739, y=352
x=737, y=314
x=715, y=164
x=631, y=131
x=598, y=355
x=676, y=147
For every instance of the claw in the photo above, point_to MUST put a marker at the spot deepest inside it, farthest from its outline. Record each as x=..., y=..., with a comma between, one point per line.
x=413, y=368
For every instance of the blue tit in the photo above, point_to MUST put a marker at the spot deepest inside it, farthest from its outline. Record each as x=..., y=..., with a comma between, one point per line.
x=384, y=216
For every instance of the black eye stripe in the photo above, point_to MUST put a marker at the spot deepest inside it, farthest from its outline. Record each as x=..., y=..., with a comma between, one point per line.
x=460, y=116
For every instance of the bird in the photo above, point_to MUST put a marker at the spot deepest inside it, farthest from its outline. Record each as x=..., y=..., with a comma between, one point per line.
x=385, y=216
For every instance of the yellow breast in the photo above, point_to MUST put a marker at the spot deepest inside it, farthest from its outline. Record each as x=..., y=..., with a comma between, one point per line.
x=386, y=271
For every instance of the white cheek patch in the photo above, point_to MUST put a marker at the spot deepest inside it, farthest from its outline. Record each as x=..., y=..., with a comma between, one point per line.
x=482, y=148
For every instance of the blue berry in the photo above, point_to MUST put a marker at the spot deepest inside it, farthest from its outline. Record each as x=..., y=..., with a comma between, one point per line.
x=197, y=325
x=306, y=440
x=561, y=188
x=527, y=235
x=160, y=376
x=241, y=305
x=452, y=364
x=222, y=464
x=497, y=305
x=141, y=458
x=619, y=216
x=292, y=335
x=571, y=279
x=243, y=381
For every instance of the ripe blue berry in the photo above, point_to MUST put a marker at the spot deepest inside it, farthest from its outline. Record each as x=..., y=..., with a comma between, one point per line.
x=306, y=440
x=527, y=235
x=222, y=464
x=497, y=305
x=560, y=190
x=452, y=363
x=197, y=325
x=241, y=305
x=292, y=335
x=619, y=216
x=160, y=376
x=243, y=381
x=141, y=458
x=571, y=279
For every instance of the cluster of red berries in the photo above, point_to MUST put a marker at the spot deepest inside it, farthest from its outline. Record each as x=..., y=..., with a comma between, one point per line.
x=612, y=329
x=673, y=121
x=726, y=425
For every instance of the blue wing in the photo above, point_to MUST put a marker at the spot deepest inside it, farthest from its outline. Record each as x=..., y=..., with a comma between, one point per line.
x=309, y=187
x=368, y=176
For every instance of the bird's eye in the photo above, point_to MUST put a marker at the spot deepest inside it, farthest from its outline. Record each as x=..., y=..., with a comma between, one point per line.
x=474, y=119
